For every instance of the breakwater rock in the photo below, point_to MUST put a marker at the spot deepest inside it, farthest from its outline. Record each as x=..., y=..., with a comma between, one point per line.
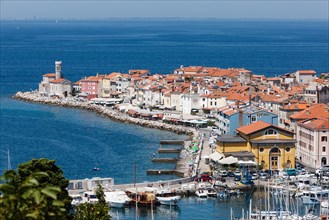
x=102, y=110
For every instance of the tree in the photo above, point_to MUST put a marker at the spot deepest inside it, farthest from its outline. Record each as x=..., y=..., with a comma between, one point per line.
x=55, y=177
x=29, y=199
x=96, y=211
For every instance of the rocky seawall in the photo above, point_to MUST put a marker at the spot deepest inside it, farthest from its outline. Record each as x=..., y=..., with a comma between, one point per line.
x=102, y=110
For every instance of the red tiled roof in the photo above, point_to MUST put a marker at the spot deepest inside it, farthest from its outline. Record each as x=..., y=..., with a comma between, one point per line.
x=315, y=124
x=57, y=80
x=316, y=111
x=50, y=75
x=256, y=126
x=306, y=72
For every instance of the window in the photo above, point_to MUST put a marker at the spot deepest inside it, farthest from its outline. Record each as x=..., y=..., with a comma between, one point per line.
x=288, y=149
x=261, y=149
x=323, y=149
x=253, y=118
x=203, y=99
x=210, y=103
x=324, y=138
x=270, y=132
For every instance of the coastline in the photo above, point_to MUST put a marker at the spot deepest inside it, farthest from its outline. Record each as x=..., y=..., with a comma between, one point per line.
x=112, y=114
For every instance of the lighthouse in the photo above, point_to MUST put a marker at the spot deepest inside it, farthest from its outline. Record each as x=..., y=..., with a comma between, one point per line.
x=58, y=69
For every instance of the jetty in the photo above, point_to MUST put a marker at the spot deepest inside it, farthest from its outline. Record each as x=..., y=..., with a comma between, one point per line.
x=171, y=142
x=164, y=160
x=168, y=150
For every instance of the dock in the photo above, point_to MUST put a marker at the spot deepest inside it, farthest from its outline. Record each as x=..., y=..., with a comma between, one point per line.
x=164, y=160
x=171, y=142
x=166, y=150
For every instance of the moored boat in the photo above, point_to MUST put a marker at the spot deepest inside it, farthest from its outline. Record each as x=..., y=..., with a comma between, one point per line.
x=168, y=197
x=144, y=196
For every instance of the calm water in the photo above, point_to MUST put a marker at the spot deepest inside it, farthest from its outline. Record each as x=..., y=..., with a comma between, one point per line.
x=79, y=140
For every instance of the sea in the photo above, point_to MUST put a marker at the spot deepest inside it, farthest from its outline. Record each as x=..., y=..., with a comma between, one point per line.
x=79, y=140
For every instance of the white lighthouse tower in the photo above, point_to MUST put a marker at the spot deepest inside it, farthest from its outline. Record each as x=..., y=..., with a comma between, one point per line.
x=58, y=69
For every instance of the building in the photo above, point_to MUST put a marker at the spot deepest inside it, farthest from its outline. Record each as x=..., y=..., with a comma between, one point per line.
x=90, y=85
x=54, y=84
x=312, y=148
x=305, y=76
x=273, y=147
x=231, y=118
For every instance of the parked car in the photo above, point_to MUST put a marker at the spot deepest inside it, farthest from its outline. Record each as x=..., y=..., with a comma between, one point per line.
x=254, y=176
x=230, y=174
x=223, y=173
x=237, y=177
x=203, y=177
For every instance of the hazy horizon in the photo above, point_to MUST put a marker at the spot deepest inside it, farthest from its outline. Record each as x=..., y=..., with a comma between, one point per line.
x=160, y=9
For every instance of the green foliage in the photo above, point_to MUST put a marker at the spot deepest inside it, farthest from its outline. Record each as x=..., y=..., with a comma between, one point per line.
x=28, y=198
x=55, y=177
x=98, y=210
x=89, y=211
x=210, y=123
x=100, y=194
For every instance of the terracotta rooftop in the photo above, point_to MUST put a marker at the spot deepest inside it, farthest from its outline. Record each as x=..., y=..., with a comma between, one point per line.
x=315, y=124
x=60, y=80
x=256, y=126
x=315, y=111
x=50, y=75
x=306, y=72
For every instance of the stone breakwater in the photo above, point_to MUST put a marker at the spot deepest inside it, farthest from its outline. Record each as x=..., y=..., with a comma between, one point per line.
x=105, y=111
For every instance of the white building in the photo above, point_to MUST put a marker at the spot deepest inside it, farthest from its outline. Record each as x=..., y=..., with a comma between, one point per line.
x=312, y=142
x=305, y=76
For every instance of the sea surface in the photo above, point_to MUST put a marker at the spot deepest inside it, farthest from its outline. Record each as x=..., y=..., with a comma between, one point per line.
x=80, y=140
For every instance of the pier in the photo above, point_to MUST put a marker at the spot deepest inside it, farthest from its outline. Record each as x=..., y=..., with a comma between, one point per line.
x=171, y=142
x=164, y=160
x=166, y=150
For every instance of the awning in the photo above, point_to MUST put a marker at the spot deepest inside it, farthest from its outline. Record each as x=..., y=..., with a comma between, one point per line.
x=216, y=156
x=228, y=160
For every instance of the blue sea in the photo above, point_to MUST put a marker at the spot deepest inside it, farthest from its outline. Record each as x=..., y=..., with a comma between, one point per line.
x=80, y=140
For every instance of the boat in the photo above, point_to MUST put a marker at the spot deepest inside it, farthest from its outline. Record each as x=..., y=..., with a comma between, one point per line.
x=117, y=199
x=97, y=169
x=201, y=193
x=310, y=198
x=270, y=215
x=168, y=197
x=89, y=196
x=76, y=200
x=211, y=192
x=143, y=196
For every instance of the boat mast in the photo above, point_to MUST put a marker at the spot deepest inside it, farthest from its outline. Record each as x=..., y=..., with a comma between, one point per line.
x=135, y=185
x=8, y=160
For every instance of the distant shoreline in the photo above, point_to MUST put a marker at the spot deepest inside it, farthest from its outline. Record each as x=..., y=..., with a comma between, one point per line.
x=105, y=111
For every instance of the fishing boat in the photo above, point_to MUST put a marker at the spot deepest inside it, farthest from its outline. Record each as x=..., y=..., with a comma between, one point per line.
x=143, y=196
x=201, y=193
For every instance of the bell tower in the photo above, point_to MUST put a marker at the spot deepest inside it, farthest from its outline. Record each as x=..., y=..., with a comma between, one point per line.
x=58, y=69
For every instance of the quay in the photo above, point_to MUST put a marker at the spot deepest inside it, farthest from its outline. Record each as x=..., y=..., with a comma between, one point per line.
x=167, y=172
x=164, y=160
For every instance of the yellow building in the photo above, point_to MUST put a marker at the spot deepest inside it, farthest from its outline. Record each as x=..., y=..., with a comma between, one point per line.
x=270, y=146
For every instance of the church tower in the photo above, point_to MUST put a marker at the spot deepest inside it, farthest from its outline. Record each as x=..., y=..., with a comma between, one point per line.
x=58, y=69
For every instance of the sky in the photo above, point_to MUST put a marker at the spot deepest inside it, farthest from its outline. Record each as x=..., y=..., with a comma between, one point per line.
x=225, y=9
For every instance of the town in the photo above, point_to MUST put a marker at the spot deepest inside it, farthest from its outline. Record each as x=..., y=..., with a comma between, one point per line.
x=243, y=127
x=274, y=121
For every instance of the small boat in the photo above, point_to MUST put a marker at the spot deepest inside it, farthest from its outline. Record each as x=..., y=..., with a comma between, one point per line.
x=201, y=193
x=90, y=196
x=310, y=198
x=168, y=197
x=211, y=192
x=97, y=169
x=76, y=200
x=117, y=199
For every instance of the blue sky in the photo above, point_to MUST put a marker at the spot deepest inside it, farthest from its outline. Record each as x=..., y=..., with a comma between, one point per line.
x=87, y=9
